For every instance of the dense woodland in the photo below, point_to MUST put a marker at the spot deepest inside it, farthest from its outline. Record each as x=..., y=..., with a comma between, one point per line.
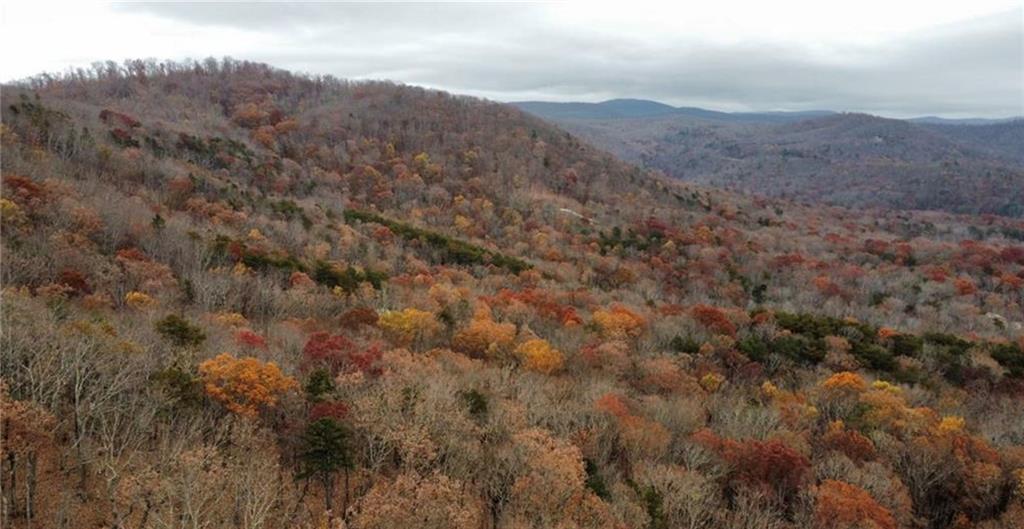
x=234, y=297
x=852, y=160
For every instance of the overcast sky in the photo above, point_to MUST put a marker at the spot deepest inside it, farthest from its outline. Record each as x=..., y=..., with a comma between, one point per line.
x=895, y=58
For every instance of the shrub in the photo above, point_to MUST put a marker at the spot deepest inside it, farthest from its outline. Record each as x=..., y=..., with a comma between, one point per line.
x=348, y=279
x=1010, y=356
x=180, y=332
x=448, y=250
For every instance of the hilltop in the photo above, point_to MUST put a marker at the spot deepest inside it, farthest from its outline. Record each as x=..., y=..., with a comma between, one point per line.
x=240, y=297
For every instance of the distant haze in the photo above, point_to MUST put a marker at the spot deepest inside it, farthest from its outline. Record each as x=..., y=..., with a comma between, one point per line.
x=952, y=59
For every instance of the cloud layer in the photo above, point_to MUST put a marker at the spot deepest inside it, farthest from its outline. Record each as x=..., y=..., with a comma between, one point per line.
x=970, y=66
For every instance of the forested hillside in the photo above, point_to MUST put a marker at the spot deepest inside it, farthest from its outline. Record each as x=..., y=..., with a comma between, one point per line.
x=852, y=160
x=234, y=297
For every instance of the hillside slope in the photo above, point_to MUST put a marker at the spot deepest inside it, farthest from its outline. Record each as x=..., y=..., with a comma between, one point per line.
x=853, y=160
x=238, y=297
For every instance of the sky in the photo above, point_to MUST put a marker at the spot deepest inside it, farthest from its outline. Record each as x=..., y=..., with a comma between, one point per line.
x=898, y=58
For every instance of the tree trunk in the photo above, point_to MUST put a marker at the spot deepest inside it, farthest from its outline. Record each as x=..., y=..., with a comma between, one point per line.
x=11, y=497
x=344, y=507
x=329, y=492
x=30, y=485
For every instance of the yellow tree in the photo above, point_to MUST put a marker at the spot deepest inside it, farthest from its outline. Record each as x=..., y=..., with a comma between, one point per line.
x=408, y=326
x=538, y=355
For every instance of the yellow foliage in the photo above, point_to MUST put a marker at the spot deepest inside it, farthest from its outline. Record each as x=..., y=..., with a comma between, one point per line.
x=951, y=424
x=408, y=325
x=244, y=385
x=240, y=270
x=138, y=300
x=11, y=212
x=885, y=386
x=538, y=355
x=463, y=223
x=711, y=382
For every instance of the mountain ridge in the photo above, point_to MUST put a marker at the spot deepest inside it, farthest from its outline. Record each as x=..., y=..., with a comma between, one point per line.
x=634, y=108
x=836, y=158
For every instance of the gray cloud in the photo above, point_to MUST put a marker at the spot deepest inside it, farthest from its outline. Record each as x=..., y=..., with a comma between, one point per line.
x=972, y=68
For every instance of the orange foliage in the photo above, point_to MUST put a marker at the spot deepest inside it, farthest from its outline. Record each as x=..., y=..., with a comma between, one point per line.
x=845, y=381
x=244, y=385
x=844, y=506
x=484, y=337
x=887, y=332
x=964, y=287
x=545, y=303
x=619, y=322
x=612, y=403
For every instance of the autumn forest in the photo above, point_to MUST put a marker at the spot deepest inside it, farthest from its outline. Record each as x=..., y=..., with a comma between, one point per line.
x=236, y=297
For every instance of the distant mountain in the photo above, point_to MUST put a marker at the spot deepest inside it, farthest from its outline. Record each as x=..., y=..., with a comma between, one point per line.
x=615, y=108
x=642, y=108
x=854, y=160
x=935, y=120
x=1003, y=138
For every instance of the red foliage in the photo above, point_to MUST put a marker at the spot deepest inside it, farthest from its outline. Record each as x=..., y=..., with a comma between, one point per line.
x=826, y=286
x=1013, y=254
x=324, y=350
x=339, y=354
x=383, y=234
x=112, y=117
x=332, y=409
x=248, y=338
x=769, y=464
x=714, y=319
x=851, y=443
x=23, y=190
x=671, y=309
x=358, y=317
x=76, y=281
x=937, y=274
x=875, y=246
x=131, y=254
x=789, y=260
x=367, y=360
x=655, y=226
